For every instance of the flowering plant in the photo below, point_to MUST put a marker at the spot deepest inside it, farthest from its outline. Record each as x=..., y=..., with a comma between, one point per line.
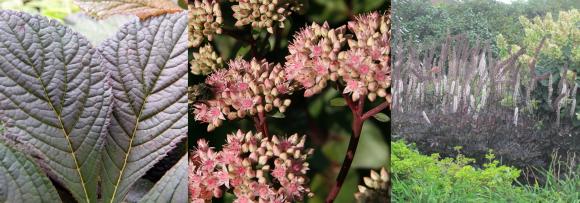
x=258, y=83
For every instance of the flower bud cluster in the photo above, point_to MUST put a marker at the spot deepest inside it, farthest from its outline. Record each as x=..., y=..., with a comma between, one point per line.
x=313, y=58
x=365, y=66
x=245, y=88
x=205, y=20
x=376, y=188
x=253, y=167
x=264, y=13
x=319, y=54
x=205, y=61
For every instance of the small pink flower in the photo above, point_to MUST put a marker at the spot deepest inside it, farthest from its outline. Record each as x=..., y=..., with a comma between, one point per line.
x=279, y=172
x=246, y=104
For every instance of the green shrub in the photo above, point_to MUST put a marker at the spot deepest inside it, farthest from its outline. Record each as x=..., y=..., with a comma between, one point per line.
x=422, y=178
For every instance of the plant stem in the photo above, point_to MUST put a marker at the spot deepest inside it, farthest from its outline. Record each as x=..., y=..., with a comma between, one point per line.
x=261, y=124
x=375, y=110
x=357, y=124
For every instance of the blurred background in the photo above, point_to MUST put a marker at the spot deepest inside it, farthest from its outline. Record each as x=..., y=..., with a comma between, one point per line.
x=69, y=14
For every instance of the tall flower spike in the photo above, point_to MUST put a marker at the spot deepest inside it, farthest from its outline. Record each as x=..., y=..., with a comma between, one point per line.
x=205, y=61
x=255, y=168
x=265, y=13
x=313, y=58
x=376, y=188
x=246, y=88
x=205, y=19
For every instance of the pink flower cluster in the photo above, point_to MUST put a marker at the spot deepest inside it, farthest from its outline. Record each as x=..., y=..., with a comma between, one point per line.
x=245, y=88
x=252, y=167
x=319, y=54
x=313, y=58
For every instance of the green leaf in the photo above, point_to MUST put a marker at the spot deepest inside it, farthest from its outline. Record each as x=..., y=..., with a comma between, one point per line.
x=173, y=185
x=278, y=115
x=54, y=98
x=21, y=180
x=338, y=102
x=382, y=117
x=147, y=61
x=141, y=8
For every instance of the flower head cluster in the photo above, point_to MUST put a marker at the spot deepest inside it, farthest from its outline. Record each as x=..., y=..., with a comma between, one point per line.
x=313, y=58
x=205, y=61
x=205, y=18
x=318, y=54
x=254, y=168
x=264, y=13
x=246, y=88
x=376, y=189
x=365, y=66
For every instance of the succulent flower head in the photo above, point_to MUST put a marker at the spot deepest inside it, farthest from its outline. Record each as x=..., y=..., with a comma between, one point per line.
x=313, y=58
x=319, y=53
x=265, y=13
x=376, y=188
x=255, y=168
x=205, y=61
x=246, y=88
x=205, y=18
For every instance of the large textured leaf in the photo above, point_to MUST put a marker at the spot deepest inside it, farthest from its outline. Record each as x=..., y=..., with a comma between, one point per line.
x=172, y=187
x=141, y=8
x=21, y=180
x=54, y=98
x=148, y=66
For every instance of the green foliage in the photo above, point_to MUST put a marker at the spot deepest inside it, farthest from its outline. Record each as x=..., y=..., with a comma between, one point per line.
x=55, y=9
x=422, y=178
x=414, y=173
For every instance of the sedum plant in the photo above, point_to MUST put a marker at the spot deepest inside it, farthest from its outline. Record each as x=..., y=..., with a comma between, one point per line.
x=261, y=167
x=92, y=119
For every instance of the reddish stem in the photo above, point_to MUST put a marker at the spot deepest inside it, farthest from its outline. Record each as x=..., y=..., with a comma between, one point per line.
x=357, y=124
x=261, y=124
x=375, y=110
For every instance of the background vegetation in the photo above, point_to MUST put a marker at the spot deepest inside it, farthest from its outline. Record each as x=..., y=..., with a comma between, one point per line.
x=549, y=133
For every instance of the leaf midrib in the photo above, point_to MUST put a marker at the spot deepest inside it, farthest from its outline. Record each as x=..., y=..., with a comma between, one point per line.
x=61, y=123
x=138, y=118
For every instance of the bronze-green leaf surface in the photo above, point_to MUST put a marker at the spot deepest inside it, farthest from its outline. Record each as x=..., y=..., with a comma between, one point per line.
x=21, y=180
x=147, y=61
x=54, y=98
x=172, y=187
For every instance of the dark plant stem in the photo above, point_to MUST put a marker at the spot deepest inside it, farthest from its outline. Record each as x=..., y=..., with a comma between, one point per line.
x=357, y=123
x=375, y=110
x=261, y=124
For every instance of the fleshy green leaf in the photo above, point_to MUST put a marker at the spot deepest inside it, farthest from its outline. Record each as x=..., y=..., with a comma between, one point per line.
x=173, y=185
x=141, y=8
x=21, y=180
x=148, y=65
x=338, y=102
x=382, y=117
x=54, y=98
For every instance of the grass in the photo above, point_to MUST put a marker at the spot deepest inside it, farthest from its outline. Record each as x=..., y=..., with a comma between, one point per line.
x=422, y=178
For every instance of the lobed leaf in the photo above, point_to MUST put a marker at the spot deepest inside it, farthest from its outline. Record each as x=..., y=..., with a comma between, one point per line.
x=54, y=98
x=141, y=8
x=21, y=180
x=173, y=185
x=148, y=65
